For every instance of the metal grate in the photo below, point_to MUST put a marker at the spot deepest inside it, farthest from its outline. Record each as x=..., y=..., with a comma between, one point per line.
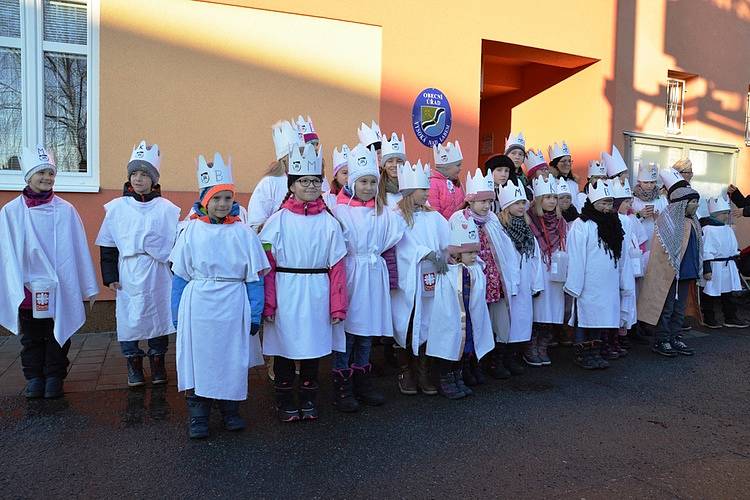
x=675, y=105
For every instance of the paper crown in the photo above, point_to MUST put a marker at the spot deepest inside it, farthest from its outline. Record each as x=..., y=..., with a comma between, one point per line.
x=511, y=193
x=515, y=140
x=621, y=189
x=562, y=188
x=464, y=235
x=479, y=187
x=416, y=176
x=340, y=158
x=447, y=155
x=392, y=148
x=544, y=186
x=534, y=159
x=718, y=204
x=648, y=173
x=307, y=129
x=142, y=154
x=369, y=135
x=670, y=177
x=305, y=161
x=597, y=169
x=600, y=189
x=286, y=135
x=35, y=159
x=614, y=163
x=362, y=161
x=555, y=151
x=215, y=174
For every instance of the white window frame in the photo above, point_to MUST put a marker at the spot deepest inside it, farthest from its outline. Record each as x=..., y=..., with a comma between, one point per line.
x=682, y=84
x=33, y=46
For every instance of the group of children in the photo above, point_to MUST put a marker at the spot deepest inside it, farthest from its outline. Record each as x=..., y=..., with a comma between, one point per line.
x=458, y=279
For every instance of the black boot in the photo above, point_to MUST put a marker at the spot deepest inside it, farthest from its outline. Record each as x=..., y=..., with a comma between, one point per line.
x=447, y=387
x=476, y=369
x=308, y=393
x=135, y=371
x=496, y=367
x=343, y=397
x=199, y=410
x=285, y=406
x=230, y=413
x=364, y=390
x=511, y=358
x=467, y=373
x=637, y=337
x=158, y=370
x=35, y=388
x=459, y=377
x=53, y=388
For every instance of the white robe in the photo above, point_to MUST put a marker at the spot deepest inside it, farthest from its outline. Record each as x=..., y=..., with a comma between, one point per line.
x=392, y=199
x=631, y=248
x=521, y=304
x=430, y=233
x=447, y=335
x=268, y=196
x=214, y=345
x=574, y=190
x=302, y=327
x=144, y=234
x=659, y=204
x=549, y=305
x=367, y=236
x=47, y=242
x=721, y=242
x=593, y=280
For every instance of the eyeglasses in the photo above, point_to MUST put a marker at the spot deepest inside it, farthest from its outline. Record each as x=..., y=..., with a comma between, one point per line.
x=308, y=182
x=686, y=172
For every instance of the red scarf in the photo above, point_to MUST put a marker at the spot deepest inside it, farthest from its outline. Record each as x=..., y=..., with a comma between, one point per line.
x=34, y=199
x=305, y=207
x=550, y=232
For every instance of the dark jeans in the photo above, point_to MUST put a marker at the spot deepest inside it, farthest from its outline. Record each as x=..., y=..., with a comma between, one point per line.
x=41, y=355
x=728, y=307
x=673, y=314
x=357, y=352
x=157, y=346
x=284, y=369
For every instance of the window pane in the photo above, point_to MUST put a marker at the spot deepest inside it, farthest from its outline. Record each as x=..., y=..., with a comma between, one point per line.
x=65, y=109
x=664, y=156
x=65, y=21
x=10, y=108
x=10, y=18
x=712, y=171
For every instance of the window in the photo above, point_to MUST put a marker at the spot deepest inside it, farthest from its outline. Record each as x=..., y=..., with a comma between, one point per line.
x=49, y=88
x=675, y=105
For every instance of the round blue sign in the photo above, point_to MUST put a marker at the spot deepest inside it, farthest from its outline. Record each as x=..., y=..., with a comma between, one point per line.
x=431, y=117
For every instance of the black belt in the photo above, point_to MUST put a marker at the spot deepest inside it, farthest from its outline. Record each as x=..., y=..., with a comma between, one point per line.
x=300, y=270
x=724, y=259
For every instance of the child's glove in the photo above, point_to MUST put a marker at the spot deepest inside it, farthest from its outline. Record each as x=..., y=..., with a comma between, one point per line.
x=441, y=266
x=254, y=329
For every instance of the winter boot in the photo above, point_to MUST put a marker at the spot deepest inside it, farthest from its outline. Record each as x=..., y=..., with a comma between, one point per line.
x=476, y=369
x=389, y=353
x=199, y=410
x=135, y=371
x=511, y=356
x=308, y=393
x=343, y=395
x=564, y=335
x=53, y=388
x=158, y=370
x=615, y=343
x=637, y=337
x=596, y=348
x=34, y=388
x=497, y=369
x=543, y=342
x=468, y=375
x=230, y=413
x=423, y=374
x=531, y=352
x=364, y=389
x=407, y=379
x=459, y=377
x=606, y=349
x=448, y=387
x=584, y=357
x=285, y=406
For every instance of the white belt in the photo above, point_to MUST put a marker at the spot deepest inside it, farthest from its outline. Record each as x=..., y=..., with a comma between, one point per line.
x=220, y=279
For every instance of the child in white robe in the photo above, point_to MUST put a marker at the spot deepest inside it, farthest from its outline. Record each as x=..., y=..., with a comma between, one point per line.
x=46, y=274
x=136, y=236
x=217, y=300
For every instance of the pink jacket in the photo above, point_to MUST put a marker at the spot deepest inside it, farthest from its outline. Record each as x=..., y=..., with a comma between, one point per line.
x=445, y=196
x=336, y=275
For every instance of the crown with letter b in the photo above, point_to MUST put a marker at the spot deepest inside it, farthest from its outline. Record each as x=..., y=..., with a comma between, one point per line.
x=214, y=174
x=307, y=129
x=599, y=190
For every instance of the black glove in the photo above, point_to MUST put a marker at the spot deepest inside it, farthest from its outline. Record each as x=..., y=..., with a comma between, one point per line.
x=254, y=329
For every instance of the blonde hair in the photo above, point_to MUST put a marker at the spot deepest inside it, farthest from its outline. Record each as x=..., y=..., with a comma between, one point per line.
x=538, y=206
x=277, y=168
x=384, y=177
x=505, y=216
x=407, y=206
x=682, y=164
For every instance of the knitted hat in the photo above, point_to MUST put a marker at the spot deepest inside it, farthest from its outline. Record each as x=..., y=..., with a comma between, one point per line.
x=498, y=161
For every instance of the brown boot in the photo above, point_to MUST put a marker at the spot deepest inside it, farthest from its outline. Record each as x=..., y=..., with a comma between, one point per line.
x=407, y=380
x=424, y=380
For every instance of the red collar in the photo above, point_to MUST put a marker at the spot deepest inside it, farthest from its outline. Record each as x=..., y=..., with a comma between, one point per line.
x=304, y=208
x=345, y=199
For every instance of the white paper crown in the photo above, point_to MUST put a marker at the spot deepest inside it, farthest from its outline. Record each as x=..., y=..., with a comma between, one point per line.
x=414, y=176
x=621, y=189
x=515, y=140
x=648, y=173
x=306, y=128
x=450, y=154
x=305, y=161
x=599, y=190
x=669, y=177
x=464, y=234
x=215, y=174
x=511, y=193
x=596, y=168
x=340, y=157
x=286, y=135
x=362, y=161
x=35, y=159
x=480, y=186
x=544, y=186
x=534, y=158
x=556, y=151
x=369, y=135
x=562, y=187
x=614, y=163
x=718, y=204
x=151, y=155
x=392, y=148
